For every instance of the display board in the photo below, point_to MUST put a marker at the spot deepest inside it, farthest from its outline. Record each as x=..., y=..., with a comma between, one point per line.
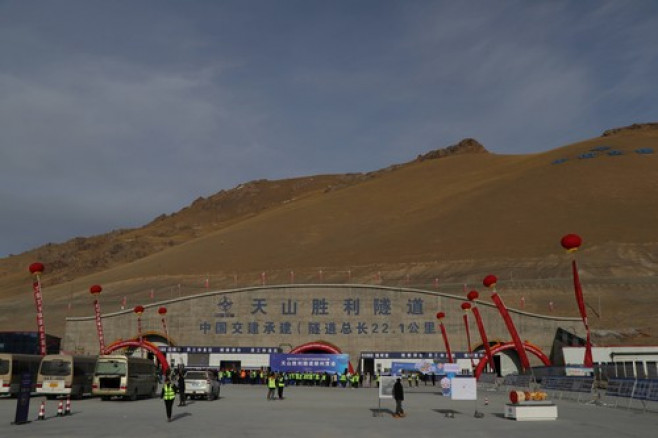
x=386, y=386
x=463, y=388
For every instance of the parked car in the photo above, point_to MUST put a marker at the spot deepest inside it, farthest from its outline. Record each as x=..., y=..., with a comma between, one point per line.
x=201, y=384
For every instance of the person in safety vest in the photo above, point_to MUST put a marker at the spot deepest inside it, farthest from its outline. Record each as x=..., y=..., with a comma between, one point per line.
x=271, y=386
x=169, y=395
x=280, y=384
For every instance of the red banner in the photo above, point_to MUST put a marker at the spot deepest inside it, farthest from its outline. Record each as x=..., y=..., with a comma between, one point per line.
x=41, y=329
x=99, y=326
x=483, y=336
x=164, y=327
x=587, y=361
x=525, y=363
x=445, y=341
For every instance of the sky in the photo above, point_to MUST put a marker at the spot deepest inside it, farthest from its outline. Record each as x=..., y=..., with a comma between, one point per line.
x=115, y=112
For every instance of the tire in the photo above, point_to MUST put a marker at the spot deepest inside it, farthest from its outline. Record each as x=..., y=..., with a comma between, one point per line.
x=133, y=396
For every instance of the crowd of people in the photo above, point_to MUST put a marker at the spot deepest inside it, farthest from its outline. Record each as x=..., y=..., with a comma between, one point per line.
x=174, y=383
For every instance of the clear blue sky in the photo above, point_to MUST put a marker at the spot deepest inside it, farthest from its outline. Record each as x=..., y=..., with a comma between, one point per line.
x=114, y=112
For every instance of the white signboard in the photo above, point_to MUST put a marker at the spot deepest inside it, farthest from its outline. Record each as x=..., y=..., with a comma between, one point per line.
x=463, y=388
x=386, y=386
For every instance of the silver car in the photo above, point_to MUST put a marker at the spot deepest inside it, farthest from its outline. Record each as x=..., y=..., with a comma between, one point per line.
x=202, y=384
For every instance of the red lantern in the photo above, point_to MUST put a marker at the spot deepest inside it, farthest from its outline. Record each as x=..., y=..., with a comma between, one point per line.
x=571, y=242
x=95, y=289
x=490, y=281
x=440, y=315
x=466, y=307
x=162, y=311
x=473, y=295
x=138, y=310
x=36, y=268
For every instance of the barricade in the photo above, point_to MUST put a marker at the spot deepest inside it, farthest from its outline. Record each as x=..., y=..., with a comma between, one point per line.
x=42, y=411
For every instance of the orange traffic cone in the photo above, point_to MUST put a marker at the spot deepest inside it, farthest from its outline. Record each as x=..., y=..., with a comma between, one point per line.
x=68, y=406
x=60, y=408
x=42, y=411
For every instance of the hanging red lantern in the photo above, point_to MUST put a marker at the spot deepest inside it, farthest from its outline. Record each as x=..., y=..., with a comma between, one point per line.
x=466, y=307
x=440, y=315
x=571, y=242
x=138, y=310
x=473, y=295
x=162, y=311
x=36, y=268
x=490, y=281
x=95, y=289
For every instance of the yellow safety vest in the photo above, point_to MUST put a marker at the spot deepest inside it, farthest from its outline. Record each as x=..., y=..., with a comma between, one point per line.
x=169, y=393
x=271, y=383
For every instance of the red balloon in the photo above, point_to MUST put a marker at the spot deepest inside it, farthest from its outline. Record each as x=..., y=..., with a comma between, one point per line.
x=466, y=306
x=571, y=242
x=490, y=281
x=95, y=289
x=473, y=295
x=440, y=315
x=36, y=268
x=138, y=310
x=162, y=310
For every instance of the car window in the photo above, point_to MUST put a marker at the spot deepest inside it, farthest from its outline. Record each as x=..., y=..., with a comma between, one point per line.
x=195, y=376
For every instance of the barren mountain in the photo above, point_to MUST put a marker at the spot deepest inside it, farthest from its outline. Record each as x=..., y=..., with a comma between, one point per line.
x=446, y=218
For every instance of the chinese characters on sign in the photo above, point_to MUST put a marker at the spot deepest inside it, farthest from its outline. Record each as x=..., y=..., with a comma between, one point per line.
x=350, y=308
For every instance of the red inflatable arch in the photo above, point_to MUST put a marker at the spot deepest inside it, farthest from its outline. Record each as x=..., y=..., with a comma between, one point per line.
x=144, y=344
x=324, y=347
x=510, y=346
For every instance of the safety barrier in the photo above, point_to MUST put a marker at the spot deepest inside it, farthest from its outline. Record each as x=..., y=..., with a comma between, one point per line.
x=640, y=393
x=569, y=387
x=513, y=381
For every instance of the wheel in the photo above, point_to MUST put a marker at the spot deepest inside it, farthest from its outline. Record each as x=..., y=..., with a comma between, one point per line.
x=133, y=396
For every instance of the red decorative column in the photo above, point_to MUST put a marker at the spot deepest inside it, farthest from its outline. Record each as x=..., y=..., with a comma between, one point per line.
x=490, y=282
x=466, y=307
x=163, y=311
x=571, y=242
x=472, y=296
x=440, y=317
x=96, y=290
x=36, y=269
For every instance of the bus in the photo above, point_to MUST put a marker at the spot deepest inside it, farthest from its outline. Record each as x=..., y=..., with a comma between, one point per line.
x=12, y=368
x=128, y=377
x=64, y=374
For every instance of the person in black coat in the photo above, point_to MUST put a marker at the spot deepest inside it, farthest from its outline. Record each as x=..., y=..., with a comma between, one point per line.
x=181, y=389
x=398, y=395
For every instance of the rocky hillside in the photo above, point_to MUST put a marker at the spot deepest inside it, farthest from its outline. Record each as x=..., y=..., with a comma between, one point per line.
x=444, y=219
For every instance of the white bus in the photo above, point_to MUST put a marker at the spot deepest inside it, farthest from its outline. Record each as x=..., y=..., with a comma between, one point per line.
x=12, y=368
x=63, y=374
x=124, y=376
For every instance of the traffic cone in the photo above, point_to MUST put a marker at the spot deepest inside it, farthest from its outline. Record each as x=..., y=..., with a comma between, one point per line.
x=42, y=411
x=60, y=409
x=486, y=401
x=68, y=406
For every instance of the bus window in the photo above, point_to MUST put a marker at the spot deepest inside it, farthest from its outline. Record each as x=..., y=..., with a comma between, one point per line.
x=55, y=368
